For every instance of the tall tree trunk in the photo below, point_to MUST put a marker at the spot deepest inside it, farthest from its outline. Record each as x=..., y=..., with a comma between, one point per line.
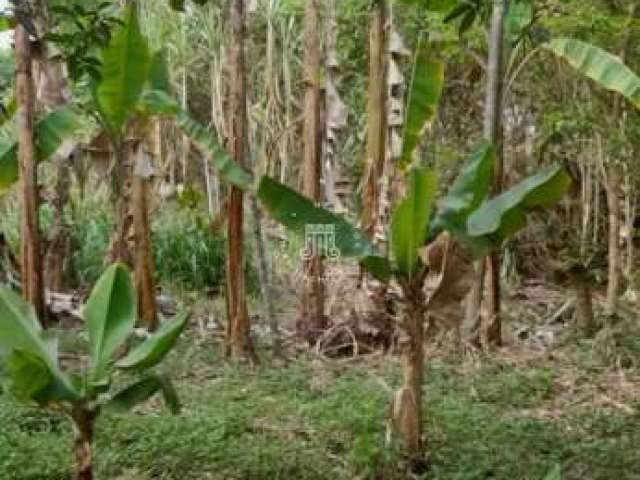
x=83, y=423
x=613, y=180
x=238, y=341
x=376, y=117
x=143, y=256
x=31, y=260
x=313, y=318
x=492, y=133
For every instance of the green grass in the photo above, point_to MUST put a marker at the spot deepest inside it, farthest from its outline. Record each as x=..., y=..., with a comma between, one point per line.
x=312, y=422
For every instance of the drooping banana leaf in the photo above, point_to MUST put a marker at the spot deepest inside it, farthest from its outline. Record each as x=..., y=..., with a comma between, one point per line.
x=503, y=216
x=605, y=69
x=158, y=102
x=410, y=220
x=123, y=73
x=51, y=132
x=424, y=96
x=296, y=212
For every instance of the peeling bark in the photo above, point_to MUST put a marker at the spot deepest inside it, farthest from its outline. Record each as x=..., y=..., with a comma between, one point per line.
x=31, y=255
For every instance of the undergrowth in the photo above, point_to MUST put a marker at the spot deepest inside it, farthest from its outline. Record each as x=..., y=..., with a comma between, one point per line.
x=313, y=421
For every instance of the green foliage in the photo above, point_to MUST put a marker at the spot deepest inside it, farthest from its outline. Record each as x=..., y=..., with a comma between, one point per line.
x=296, y=211
x=153, y=350
x=501, y=217
x=422, y=105
x=110, y=314
x=518, y=19
x=123, y=73
x=410, y=220
x=25, y=347
x=51, y=131
x=141, y=391
x=82, y=31
x=468, y=191
x=605, y=69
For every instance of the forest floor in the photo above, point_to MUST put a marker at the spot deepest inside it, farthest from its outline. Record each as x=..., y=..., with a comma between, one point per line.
x=530, y=410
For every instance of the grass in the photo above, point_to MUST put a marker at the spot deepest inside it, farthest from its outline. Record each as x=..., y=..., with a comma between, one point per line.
x=313, y=421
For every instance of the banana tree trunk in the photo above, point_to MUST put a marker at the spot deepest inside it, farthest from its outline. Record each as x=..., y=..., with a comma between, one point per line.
x=238, y=341
x=83, y=421
x=407, y=406
x=31, y=257
x=120, y=244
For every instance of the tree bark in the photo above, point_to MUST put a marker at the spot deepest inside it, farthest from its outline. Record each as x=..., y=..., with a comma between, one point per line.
x=313, y=318
x=31, y=256
x=492, y=133
x=120, y=245
x=614, y=177
x=376, y=117
x=584, y=300
x=143, y=257
x=407, y=406
x=238, y=341
x=83, y=422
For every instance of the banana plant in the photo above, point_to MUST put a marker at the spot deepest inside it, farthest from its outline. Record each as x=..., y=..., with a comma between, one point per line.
x=479, y=223
x=32, y=372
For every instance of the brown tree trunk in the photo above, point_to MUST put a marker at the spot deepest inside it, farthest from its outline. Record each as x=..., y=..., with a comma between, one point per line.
x=613, y=180
x=31, y=259
x=238, y=341
x=376, y=117
x=492, y=330
x=313, y=318
x=120, y=244
x=407, y=406
x=83, y=422
x=584, y=300
x=143, y=258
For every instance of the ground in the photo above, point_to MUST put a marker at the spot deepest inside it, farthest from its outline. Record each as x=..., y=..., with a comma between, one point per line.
x=569, y=411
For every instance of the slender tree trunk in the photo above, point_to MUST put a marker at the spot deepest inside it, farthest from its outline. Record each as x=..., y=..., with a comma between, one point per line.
x=313, y=318
x=376, y=117
x=493, y=134
x=238, y=342
x=614, y=178
x=31, y=259
x=143, y=257
x=83, y=423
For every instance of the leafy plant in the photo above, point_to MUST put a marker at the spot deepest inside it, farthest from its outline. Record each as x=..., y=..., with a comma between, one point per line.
x=32, y=371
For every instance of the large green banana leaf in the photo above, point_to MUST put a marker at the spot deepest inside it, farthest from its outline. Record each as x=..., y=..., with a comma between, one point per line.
x=110, y=315
x=123, y=73
x=605, y=69
x=30, y=354
x=296, y=212
x=468, y=191
x=503, y=216
x=422, y=105
x=51, y=132
x=410, y=220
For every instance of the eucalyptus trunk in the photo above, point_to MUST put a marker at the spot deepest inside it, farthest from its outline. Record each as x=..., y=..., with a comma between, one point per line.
x=31, y=256
x=613, y=180
x=238, y=341
x=376, y=117
x=313, y=318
